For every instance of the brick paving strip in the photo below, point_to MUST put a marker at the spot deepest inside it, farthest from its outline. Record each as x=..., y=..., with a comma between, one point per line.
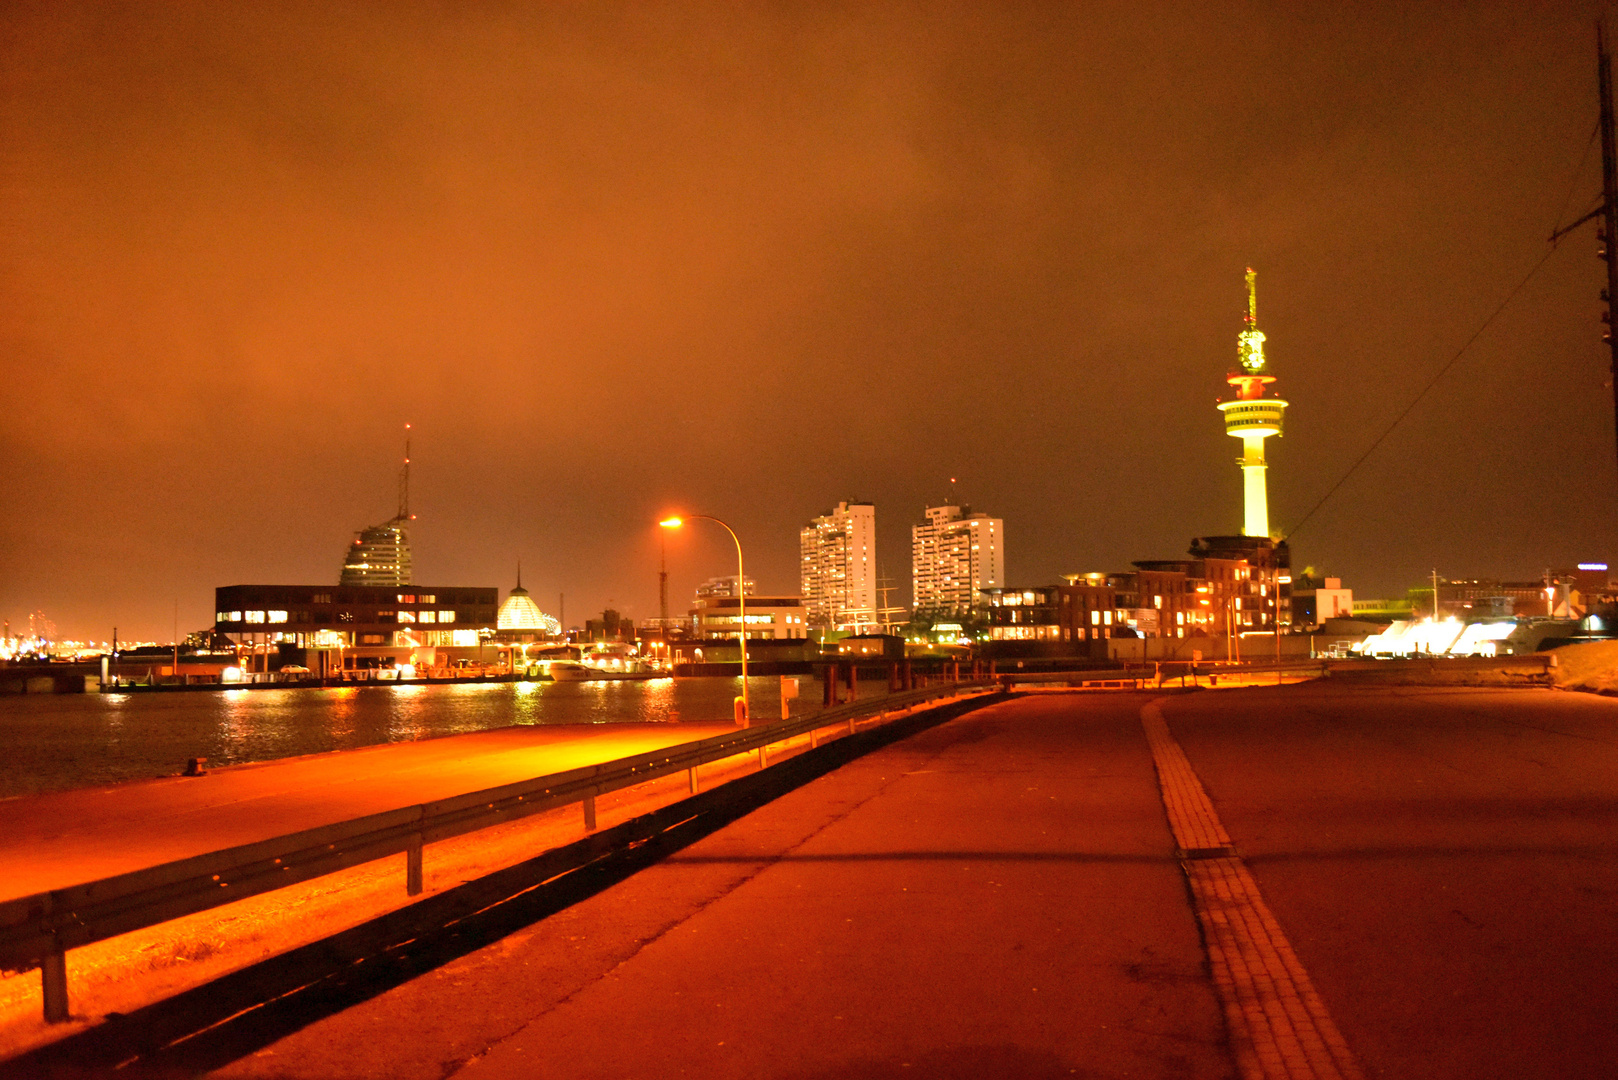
x=1279, y=1028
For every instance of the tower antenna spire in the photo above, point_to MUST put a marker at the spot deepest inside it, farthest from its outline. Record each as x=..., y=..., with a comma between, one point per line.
x=663, y=585
x=404, y=481
x=1253, y=415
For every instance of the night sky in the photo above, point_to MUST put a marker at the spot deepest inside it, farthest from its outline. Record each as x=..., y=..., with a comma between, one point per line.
x=747, y=260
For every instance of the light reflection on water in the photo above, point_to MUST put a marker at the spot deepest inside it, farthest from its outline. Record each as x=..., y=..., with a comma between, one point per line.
x=58, y=741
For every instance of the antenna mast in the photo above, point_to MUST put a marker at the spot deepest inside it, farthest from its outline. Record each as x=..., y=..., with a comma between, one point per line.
x=404, y=482
x=663, y=587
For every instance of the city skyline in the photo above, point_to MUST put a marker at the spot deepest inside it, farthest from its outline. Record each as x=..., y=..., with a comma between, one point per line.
x=615, y=264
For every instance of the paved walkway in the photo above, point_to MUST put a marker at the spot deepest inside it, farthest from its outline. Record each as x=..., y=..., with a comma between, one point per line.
x=68, y=837
x=1293, y=881
x=994, y=897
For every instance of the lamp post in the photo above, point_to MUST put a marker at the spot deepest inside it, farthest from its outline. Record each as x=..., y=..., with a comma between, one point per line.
x=741, y=599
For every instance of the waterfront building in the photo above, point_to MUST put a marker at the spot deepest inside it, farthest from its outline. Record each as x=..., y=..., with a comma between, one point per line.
x=837, y=568
x=955, y=555
x=610, y=627
x=768, y=617
x=1319, y=599
x=379, y=556
x=357, y=622
x=519, y=617
x=1257, y=579
x=1253, y=415
x=725, y=586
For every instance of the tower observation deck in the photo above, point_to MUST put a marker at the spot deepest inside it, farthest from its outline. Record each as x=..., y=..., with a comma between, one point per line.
x=1252, y=416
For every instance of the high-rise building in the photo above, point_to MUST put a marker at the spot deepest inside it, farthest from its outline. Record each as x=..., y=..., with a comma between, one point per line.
x=725, y=586
x=1252, y=416
x=379, y=555
x=954, y=554
x=838, y=568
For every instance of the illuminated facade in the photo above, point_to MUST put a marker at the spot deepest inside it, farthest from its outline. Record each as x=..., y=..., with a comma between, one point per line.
x=519, y=614
x=359, y=624
x=1252, y=416
x=378, y=556
x=768, y=617
x=837, y=568
x=955, y=555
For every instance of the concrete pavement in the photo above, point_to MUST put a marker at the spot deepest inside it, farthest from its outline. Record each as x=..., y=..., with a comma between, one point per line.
x=996, y=896
x=1000, y=895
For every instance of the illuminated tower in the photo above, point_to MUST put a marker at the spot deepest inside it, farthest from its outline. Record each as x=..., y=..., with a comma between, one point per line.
x=380, y=555
x=1251, y=416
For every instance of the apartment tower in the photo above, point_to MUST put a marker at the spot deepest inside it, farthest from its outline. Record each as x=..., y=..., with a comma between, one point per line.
x=954, y=554
x=838, y=568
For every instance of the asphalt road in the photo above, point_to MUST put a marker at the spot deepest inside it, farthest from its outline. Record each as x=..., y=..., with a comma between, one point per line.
x=999, y=895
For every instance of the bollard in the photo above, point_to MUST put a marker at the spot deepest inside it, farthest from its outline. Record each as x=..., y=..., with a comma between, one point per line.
x=196, y=766
x=741, y=711
x=53, y=979
x=413, y=866
x=828, y=675
x=589, y=813
x=789, y=690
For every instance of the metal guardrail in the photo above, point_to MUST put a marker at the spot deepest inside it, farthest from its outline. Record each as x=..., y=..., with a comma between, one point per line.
x=37, y=930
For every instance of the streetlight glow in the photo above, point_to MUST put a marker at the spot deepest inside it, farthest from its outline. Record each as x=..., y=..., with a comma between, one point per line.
x=744, y=716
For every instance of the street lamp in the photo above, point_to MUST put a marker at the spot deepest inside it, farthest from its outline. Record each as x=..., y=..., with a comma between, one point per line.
x=741, y=599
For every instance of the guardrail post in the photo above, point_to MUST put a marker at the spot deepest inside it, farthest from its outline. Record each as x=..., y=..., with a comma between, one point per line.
x=53, y=981
x=763, y=759
x=691, y=774
x=413, y=867
x=851, y=725
x=589, y=813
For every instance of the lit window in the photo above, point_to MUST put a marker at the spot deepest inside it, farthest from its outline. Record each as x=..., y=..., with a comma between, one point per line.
x=407, y=616
x=222, y=616
x=446, y=616
x=277, y=616
x=405, y=598
x=429, y=616
x=255, y=616
x=1106, y=617
x=429, y=598
x=1095, y=618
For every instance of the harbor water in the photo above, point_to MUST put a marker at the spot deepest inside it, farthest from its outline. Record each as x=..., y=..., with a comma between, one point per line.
x=53, y=742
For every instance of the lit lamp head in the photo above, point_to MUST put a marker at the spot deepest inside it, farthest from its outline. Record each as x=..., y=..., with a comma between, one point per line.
x=671, y=523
